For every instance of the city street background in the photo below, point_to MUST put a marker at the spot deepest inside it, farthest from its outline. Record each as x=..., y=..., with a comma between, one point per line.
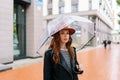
x=98, y=64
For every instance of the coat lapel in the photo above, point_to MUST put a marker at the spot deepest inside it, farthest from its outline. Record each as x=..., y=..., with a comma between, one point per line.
x=64, y=64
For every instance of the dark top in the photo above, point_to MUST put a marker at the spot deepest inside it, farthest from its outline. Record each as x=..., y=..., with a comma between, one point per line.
x=61, y=71
x=66, y=56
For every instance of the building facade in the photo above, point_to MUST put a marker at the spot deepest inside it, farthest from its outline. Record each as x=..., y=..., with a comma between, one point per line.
x=98, y=11
x=23, y=24
x=20, y=29
x=116, y=37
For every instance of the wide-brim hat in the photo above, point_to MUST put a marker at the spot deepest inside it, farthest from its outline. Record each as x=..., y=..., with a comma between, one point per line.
x=70, y=29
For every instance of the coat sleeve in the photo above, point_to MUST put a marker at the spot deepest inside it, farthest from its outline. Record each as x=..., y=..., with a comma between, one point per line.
x=47, y=66
x=75, y=56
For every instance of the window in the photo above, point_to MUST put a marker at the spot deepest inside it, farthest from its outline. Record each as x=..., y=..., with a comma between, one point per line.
x=90, y=4
x=19, y=31
x=92, y=18
x=61, y=0
x=61, y=9
x=100, y=2
x=49, y=1
x=74, y=7
x=50, y=11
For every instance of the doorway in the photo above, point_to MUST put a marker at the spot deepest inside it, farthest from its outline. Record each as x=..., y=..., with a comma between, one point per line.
x=19, y=32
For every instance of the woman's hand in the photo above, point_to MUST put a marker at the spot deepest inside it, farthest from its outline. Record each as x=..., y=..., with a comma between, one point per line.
x=79, y=67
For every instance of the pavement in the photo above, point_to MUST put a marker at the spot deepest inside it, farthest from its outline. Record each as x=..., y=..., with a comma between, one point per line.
x=25, y=62
x=98, y=64
x=28, y=61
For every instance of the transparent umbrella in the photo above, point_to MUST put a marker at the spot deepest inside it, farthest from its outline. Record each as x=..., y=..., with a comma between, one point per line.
x=84, y=29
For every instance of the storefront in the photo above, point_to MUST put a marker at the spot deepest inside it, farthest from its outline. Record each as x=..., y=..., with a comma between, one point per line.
x=19, y=29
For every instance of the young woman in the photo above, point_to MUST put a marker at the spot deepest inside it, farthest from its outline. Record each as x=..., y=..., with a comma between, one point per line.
x=60, y=61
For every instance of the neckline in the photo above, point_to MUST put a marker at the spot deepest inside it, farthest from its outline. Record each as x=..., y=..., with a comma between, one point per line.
x=64, y=49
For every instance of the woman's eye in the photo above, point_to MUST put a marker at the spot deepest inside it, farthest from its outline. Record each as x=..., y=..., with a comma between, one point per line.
x=67, y=32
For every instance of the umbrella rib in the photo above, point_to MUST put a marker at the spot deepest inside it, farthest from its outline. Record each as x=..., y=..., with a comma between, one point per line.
x=86, y=43
x=43, y=43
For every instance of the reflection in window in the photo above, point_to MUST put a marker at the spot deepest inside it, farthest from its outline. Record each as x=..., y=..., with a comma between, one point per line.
x=15, y=36
x=19, y=31
x=100, y=2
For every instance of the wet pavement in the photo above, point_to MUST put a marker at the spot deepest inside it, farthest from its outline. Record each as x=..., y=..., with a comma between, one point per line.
x=98, y=64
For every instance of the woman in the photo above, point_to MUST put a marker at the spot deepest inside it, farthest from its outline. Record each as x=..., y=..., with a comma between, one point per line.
x=60, y=59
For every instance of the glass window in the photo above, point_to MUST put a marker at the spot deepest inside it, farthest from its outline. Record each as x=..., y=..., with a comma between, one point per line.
x=19, y=30
x=74, y=7
x=90, y=4
x=50, y=11
x=61, y=0
x=49, y=1
x=100, y=2
x=61, y=9
x=15, y=34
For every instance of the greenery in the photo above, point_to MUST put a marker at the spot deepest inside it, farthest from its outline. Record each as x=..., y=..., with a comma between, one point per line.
x=118, y=21
x=119, y=14
x=118, y=32
x=118, y=2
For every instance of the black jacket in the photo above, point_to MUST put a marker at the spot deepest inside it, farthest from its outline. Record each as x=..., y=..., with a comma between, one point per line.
x=59, y=71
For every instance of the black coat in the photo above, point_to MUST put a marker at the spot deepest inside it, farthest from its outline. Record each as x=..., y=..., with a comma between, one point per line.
x=59, y=71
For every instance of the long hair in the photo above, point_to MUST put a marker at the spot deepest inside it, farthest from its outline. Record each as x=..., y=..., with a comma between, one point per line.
x=55, y=45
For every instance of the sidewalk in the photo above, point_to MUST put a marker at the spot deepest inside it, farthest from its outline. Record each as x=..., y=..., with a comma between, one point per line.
x=28, y=61
x=98, y=64
x=25, y=62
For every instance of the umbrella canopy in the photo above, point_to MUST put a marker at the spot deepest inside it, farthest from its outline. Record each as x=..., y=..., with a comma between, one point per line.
x=65, y=20
x=84, y=29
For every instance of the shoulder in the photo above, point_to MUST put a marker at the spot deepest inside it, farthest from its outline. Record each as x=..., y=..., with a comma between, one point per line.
x=48, y=56
x=74, y=49
x=49, y=52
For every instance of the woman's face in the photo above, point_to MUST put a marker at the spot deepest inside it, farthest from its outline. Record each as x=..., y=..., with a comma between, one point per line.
x=64, y=36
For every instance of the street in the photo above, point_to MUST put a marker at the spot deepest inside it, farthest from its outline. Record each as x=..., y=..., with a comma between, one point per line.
x=98, y=64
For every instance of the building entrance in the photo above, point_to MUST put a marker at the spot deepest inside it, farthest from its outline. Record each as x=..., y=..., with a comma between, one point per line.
x=19, y=34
